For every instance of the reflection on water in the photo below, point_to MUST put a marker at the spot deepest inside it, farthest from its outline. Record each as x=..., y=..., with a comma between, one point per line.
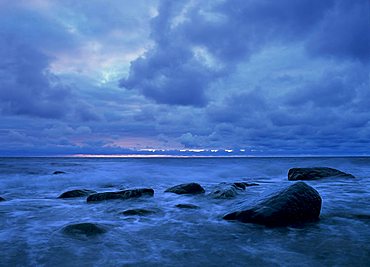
x=31, y=219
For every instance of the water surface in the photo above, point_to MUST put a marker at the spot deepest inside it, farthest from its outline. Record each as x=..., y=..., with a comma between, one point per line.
x=32, y=216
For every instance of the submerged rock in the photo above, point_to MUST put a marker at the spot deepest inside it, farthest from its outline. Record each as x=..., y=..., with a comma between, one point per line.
x=124, y=194
x=316, y=173
x=77, y=193
x=2, y=199
x=87, y=229
x=58, y=172
x=140, y=212
x=298, y=203
x=190, y=188
x=187, y=206
x=226, y=190
x=244, y=185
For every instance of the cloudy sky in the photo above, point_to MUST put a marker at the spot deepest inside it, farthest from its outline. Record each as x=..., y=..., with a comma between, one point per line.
x=255, y=76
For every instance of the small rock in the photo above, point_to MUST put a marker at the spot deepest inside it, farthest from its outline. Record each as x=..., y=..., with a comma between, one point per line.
x=139, y=212
x=187, y=206
x=244, y=185
x=77, y=193
x=226, y=190
x=124, y=194
x=316, y=173
x=87, y=229
x=58, y=172
x=2, y=199
x=190, y=188
x=298, y=203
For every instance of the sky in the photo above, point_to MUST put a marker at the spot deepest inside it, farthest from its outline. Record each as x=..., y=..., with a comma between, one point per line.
x=252, y=77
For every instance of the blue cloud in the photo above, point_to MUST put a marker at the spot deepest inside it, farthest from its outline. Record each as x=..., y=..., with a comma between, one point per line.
x=265, y=76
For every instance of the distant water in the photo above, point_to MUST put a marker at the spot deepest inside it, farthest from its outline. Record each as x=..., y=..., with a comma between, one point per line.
x=31, y=219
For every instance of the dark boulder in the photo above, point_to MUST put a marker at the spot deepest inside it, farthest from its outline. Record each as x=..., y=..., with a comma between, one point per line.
x=299, y=203
x=87, y=229
x=77, y=193
x=139, y=212
x=58, y=172
x=2, y=199
x=316, y=173
x=187, y=206
x=124, y=194
x=191, y=188
x=227, y=190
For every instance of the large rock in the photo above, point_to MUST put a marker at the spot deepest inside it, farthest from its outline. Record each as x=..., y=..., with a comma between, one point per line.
x=87, y=229
x=77, y=193
x=316, y=173
x=2, y=199
x=124, y=194
x=298, y=203
x=227, y=190
x=191, y=188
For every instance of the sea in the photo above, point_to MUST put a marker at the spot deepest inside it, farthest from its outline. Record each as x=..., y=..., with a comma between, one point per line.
x=32, y=217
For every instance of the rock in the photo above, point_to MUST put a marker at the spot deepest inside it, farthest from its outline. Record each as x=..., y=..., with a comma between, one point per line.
x=140, y=212
x=316, y=173
x=191, y=188
x=77, y=193
x=187, y=206
x=58, y=172
x=2, y=199
x=87, y=229
x=124, y=194
x=244, y=185
x=298, y=203
x=226, y=190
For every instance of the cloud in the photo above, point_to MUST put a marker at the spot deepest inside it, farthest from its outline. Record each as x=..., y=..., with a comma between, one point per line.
x=198, y=43
x=344, y=32
x=265, y=76
x=27, y=88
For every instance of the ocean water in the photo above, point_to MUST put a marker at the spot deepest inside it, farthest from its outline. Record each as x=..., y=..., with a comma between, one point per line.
x=32, y=217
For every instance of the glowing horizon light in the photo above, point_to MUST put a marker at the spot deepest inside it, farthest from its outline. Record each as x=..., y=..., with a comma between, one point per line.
x=214, y=150
x=147, y=156
x=242, y=150
x=148, y=150
x=229, y=150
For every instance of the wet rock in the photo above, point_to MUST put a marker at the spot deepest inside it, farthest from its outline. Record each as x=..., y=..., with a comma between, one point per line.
x=226, y=190
x=87, y=229
x=190, y=188
x=187, y=206
x=77, y=193
x=58, y=172
x=139, y=212
x=124, y=194
x=298, y=203
x=316, y=173
x=2, y=199
x=244, y=185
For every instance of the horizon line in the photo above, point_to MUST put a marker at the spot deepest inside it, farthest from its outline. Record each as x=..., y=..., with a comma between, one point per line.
x=178, y=156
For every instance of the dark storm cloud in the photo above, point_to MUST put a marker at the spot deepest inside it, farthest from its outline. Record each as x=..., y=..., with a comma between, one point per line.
x=27, y=42
x=334, y=88
x=27, y=88
x=345, y=32
x=198, y=43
